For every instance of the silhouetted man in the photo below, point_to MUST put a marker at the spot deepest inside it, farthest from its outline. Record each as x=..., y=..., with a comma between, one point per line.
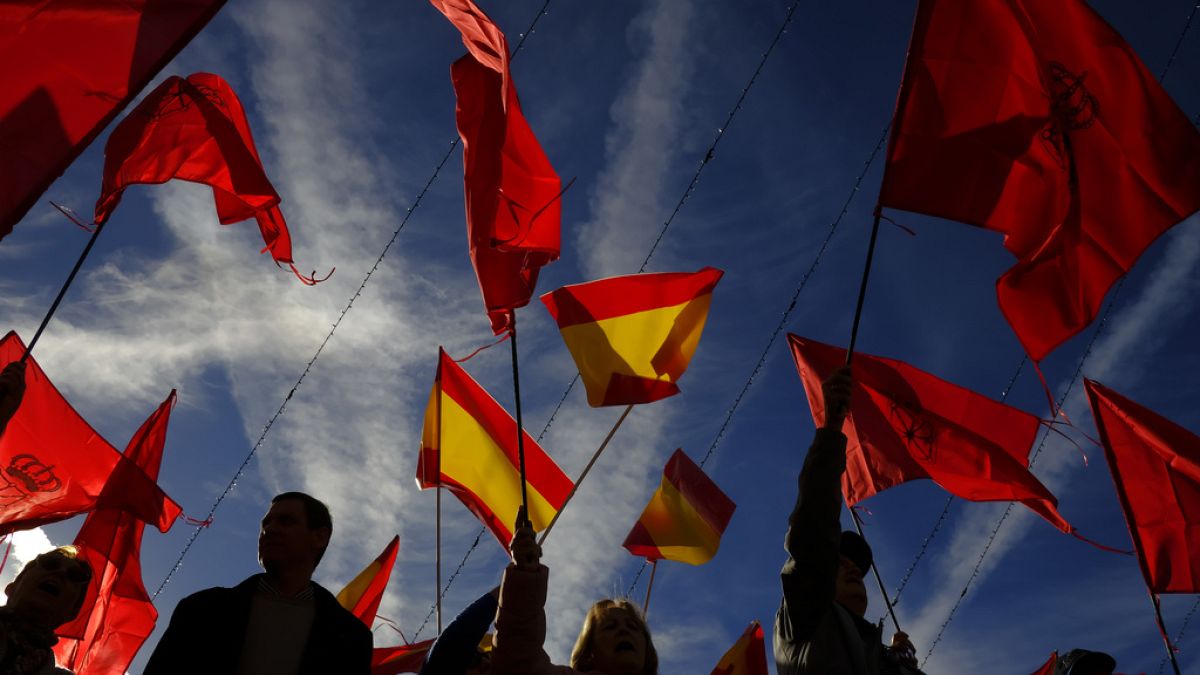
x=48, y=592
x=819, y=628
x=277, y=623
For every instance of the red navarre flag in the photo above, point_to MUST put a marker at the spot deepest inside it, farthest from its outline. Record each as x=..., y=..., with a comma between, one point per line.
x=70, y=67
x=905, y=424
x=512, y=191
x=117, y=614
x=1155, y=465
x=196, y=130
x=1043, y=125
x=53, y=465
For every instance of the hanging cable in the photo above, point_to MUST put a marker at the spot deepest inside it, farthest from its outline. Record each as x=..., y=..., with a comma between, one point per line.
x=1179, y=636
x=329, y=336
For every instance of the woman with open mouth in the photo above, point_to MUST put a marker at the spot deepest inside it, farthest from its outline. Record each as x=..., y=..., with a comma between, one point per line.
x=614, y=640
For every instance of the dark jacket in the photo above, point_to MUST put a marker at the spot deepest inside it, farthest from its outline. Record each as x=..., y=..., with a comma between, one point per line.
x=813, y=634
x=208, y=628
x=456, y=648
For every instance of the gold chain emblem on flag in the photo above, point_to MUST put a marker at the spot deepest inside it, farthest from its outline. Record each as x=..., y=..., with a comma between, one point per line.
x=915, y=428
x=1072, y=108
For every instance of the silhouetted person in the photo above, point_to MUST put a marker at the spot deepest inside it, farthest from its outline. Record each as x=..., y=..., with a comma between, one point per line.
x=12, y=389
x=819, y=628
x=48, y=592
x=614, y=639
x=458, y=650
x=277, y=623
x=1083, y=662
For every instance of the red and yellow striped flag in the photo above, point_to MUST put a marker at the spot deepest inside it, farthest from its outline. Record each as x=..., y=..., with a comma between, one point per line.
x=748, y=656
x=632, y=337
x=469, y=446
x=685, y=518
x=399, y=659
x=361, y=597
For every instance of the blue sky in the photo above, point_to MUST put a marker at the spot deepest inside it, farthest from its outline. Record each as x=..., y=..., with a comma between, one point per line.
x=352, y=108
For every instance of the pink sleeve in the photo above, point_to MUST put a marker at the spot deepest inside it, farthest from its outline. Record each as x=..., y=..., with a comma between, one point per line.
x=521, y=626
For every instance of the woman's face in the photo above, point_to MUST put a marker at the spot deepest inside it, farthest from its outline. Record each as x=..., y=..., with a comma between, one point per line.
x=619, y=644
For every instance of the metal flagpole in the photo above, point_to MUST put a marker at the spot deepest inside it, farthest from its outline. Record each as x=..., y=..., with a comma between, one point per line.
x=520, y=427
x=862, y=290
x=62, y=291
x=875, y=568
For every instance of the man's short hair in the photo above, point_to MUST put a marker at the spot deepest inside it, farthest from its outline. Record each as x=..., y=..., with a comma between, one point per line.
x=316, y=514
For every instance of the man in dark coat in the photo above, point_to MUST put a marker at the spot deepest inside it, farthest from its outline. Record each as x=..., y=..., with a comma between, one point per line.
x=47, y=593
x=277, y=623
x=819, y=628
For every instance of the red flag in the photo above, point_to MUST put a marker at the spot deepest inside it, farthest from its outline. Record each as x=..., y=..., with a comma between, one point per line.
x=1155, y=465
x=361, y=597
x=196, y=130
x=401, y=659
x=53, y=465
x=117, y=615
x=1047, y=127
x=1048, y=667
x=905, y=424
x=512, y=191
x=71, y=67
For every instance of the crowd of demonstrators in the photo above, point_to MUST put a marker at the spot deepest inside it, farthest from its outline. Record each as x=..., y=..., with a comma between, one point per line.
x=463, y=648
x=819, y=628
x=614, y=640
x=47, y=593
x=276, y=623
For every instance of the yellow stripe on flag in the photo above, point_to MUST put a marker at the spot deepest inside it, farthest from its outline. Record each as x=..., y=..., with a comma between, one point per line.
x=655, y=344
x=354, y=590
x=677, y=529
x=473, y=459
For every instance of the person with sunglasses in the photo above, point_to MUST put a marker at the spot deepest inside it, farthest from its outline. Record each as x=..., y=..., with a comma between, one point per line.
x=47, y=593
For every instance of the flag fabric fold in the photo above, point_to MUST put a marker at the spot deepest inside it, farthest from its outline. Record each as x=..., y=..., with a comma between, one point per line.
x=1047, y=127
x=1151, y=457
x=905, y=424
x=195, y=129
x=469, y=446
x=400, y=659
x=685, y=518
x=53, y=464
x=512, y=191
x=748, y=656
x=361, y=597
x=632, y=337
x=80, y=65
x=118, y=614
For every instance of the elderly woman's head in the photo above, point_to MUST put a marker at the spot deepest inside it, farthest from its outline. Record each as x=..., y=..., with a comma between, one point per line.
x=615, y=641
x=51, y=588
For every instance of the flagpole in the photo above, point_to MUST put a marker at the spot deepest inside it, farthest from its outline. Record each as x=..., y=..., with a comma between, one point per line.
x=649, y=587
x=438, y=588
x=875, y=568
x=862, y=289
x=63, y=291
x=1162, y=629
x=584, y=473
x=520, y=427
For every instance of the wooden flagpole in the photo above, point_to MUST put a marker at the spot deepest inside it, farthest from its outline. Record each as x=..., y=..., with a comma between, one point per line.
x=862, y=289
x=649, y=587
x=875, y=568
x=438, y=589
x=1162, y=628
x=63, y=291
x=584, y=473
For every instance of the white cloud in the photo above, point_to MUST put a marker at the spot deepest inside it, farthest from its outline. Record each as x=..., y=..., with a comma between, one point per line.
x=628, y=203
x=26, y=545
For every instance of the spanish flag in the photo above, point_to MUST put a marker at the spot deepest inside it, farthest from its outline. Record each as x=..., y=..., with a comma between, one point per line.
x=361, y=597
x=747, y=656
x=685, y=518
x=469, y=446
x=399, y=659
x=632, y=337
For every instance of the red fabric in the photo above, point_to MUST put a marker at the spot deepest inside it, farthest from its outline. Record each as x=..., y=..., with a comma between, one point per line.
x=1047, y=668
x=905, y=424
x=195, y=130
x=401, y=659
x=117, y=615
x=512, y=191
x=70, y=68
x=1047, y=127
x=1155, y=465
x=53, y=465
x=367, y=606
